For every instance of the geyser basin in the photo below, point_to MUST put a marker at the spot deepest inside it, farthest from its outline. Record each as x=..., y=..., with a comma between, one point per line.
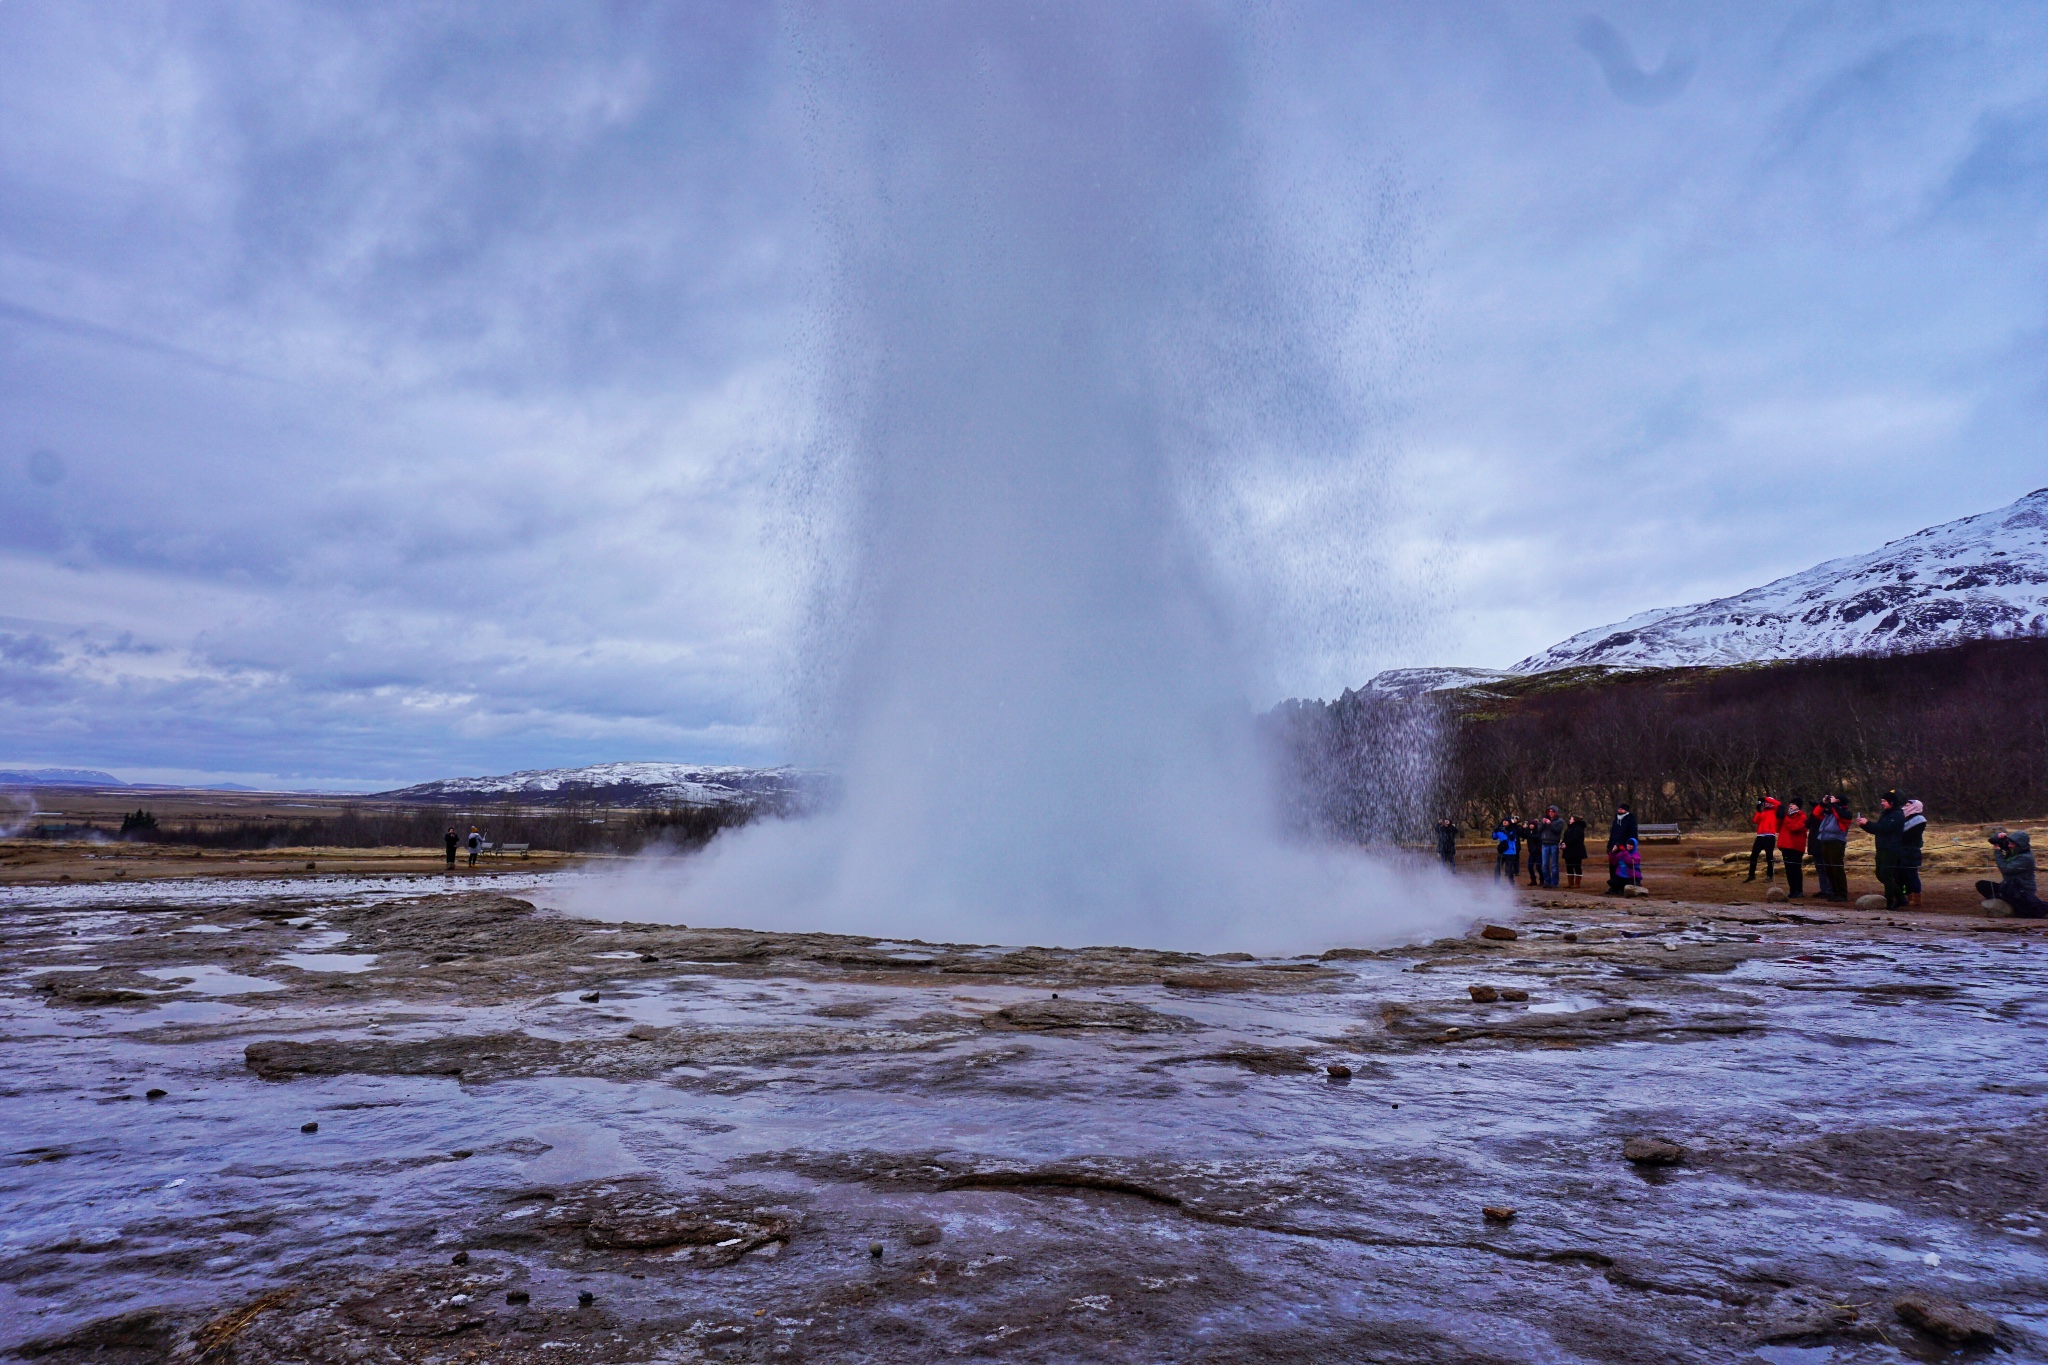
x=1154, y=1166
x=1070, y=309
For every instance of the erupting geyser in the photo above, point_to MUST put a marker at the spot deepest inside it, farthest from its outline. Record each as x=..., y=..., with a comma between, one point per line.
x=1059, y=313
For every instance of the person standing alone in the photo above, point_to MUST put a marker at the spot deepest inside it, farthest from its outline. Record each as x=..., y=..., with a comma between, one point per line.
x=1766, y=841
x=453, y=844
x=1575, y=850
x=1447, y=841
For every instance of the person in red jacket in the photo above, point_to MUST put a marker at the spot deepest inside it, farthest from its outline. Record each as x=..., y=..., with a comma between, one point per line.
x=1766, y=841
x=1792, y=846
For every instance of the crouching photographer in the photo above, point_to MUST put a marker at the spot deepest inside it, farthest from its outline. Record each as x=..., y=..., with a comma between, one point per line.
x=2013, y=851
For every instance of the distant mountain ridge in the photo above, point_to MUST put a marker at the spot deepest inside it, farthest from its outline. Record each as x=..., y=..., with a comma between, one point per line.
x=625, y=784
x=1981, y=577
x=58, y=777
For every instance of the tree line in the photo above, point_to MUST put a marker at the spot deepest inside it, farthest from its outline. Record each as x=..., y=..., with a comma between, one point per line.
x=566, y=828
x=1964, y=729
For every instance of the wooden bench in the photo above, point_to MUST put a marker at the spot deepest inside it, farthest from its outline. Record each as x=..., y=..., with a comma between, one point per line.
x=520, y=849
x=1662, y=834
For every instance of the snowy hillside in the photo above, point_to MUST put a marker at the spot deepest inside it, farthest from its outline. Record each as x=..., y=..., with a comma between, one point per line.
x=622, y=784
x=1985, y=575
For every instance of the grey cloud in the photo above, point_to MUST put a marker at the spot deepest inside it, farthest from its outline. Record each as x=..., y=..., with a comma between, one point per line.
x=1629, y=82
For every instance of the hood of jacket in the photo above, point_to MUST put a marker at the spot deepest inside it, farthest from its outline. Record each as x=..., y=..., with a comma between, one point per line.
x=2022, y=842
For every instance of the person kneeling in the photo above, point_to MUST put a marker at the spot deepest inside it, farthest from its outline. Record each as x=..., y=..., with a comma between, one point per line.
x=2013, y=851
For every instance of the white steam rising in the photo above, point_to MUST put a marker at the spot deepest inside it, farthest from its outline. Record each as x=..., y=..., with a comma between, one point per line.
x=1068, y=311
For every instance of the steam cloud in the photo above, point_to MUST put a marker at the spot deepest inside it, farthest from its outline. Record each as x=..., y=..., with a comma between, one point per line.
x=1065, y=306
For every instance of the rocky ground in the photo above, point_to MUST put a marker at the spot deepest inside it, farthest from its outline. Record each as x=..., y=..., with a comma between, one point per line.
x=328, y=1121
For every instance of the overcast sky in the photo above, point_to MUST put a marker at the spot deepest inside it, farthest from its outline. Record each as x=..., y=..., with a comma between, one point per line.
x=389, y=392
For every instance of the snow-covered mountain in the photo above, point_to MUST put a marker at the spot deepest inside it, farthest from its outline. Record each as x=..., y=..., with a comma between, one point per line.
x=1406, y=684
x=624, y=784
x=1981, y=576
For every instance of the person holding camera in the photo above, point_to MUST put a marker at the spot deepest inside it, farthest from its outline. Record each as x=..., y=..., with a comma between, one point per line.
x=1831, y=824
x=1792, y=846
x=1766, y=842
x=2013, y=851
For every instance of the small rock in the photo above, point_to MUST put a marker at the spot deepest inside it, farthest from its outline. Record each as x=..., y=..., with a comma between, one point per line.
x=155, y=1093
x=875, y=1250
x=1633, y=890
x=923, y=1235
x=309, y=867
x=1997, y=908
x=1870, y=903
x=1945, y=1318
x=517, y=1296
x=1650, y=1151
x=1513, y=993
x=1483, y=995
x=1569, y=938
x=461, y=1154
x=1498, y=931
x=643, y=1033
x=1776, y=893
x=1338, y=1071
x=585, y=1298
x=460, y=1258
x=458, y=1299
x=649, y=957
x=1498, y=1213
x=589, y=997
x=309, y=1127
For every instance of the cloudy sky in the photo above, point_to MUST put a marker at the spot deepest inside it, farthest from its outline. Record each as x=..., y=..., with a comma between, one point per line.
x=396, y=391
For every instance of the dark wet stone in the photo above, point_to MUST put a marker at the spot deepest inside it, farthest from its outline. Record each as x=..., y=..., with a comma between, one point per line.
x=147, y=1333
x=1498, y=1213
x=517, y=1296
x=155, y=1093
x=1651, y=1151
x=461, y=1154
x=1498, y=931
x=585, y=1298
x=459, y=1258
x=875, y=1250
x=590, y=997
x=1338, y=1071
x=1945, y=1318
x=309, y=1127
x=1483, y=995
x=649, y=957
x=1803, y=1314
x=1084, y=1014
x=1513, y=993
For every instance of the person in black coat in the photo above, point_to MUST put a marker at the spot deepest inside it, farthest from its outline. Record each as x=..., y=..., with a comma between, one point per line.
x=1575, y=849
x=453, y=844
x=1889, y=830
x=1447, y=841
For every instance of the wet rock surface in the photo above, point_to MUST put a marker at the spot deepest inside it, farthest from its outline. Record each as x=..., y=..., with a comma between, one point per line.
x=391, y=1127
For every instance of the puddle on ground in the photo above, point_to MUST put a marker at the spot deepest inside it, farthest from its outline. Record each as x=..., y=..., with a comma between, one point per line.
x=328, y=962
x=1061, y=1155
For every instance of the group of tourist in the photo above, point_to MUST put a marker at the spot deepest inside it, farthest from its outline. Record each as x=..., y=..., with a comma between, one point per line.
x=1787, y=830
x=1553, y=847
